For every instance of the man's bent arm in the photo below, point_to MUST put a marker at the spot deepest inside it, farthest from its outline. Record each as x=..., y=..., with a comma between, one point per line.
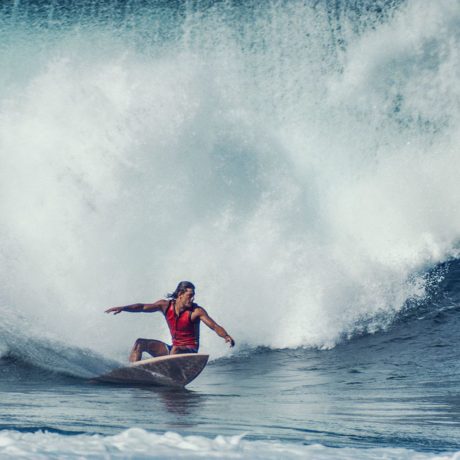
x=219, y=330
x=139, y=308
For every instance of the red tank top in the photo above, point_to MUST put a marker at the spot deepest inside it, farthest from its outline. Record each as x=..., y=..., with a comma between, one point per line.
x=184, y=331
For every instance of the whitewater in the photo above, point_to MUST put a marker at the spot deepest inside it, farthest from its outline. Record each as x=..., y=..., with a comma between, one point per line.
x=296, y=160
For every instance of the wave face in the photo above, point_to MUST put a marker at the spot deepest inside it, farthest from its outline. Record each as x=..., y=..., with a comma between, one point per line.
x=298, y=161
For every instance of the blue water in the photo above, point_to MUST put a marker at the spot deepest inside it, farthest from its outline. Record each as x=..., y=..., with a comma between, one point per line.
x=298, y=161
x=397, y=388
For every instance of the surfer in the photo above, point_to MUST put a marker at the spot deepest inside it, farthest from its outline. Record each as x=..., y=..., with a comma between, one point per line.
x=183, y=317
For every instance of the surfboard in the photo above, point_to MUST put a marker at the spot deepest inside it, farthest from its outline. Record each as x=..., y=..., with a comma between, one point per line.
x=169, y=370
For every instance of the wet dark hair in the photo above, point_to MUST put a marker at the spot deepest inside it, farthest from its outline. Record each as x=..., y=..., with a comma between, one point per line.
x=181, y=287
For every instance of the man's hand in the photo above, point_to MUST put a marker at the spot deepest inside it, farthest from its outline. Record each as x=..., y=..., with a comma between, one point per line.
x=114, y=310
x=229, y=340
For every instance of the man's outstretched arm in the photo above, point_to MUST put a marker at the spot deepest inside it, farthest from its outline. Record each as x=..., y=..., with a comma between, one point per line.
x=219, y=330
x=139, y=307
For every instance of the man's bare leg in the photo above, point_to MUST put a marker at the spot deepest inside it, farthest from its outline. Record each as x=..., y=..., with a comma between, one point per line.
x=153, y=347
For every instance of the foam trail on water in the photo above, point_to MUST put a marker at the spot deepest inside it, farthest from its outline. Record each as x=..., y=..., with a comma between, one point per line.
x=24, y=344
x=172, y=445
x=297, y=163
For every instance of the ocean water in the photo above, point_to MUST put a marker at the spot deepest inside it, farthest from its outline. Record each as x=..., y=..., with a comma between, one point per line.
x=297, y=160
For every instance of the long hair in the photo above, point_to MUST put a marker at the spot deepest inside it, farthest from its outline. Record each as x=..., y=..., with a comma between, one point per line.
x=181, y=287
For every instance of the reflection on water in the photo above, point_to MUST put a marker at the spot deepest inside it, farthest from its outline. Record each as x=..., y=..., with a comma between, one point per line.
x=175, y=401
x=180, y=401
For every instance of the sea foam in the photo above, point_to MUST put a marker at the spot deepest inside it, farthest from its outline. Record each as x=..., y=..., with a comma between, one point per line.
x=298, y=163
x=140, y=444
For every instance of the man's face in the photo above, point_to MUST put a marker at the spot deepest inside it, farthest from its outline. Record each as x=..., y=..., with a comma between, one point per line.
x=187, y=297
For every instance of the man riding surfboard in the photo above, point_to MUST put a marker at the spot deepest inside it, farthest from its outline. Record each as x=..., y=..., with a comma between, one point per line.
x=183, y=317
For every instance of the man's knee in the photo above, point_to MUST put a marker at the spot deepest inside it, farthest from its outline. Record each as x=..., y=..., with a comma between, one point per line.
x=140, y=344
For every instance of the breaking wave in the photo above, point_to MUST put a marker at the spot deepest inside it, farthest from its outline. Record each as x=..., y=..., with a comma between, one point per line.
x=298, y=162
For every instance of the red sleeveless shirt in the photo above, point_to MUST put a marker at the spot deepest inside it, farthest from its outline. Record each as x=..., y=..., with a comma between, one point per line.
x=184, y=331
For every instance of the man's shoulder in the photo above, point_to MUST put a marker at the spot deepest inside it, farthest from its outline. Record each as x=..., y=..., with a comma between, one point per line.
x=163, y=303
x=198, y=309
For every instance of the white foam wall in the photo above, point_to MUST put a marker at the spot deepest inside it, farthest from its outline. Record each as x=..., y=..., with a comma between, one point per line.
x=299, y=183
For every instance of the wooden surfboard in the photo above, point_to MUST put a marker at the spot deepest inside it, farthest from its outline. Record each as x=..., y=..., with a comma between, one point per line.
x=170, y=370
